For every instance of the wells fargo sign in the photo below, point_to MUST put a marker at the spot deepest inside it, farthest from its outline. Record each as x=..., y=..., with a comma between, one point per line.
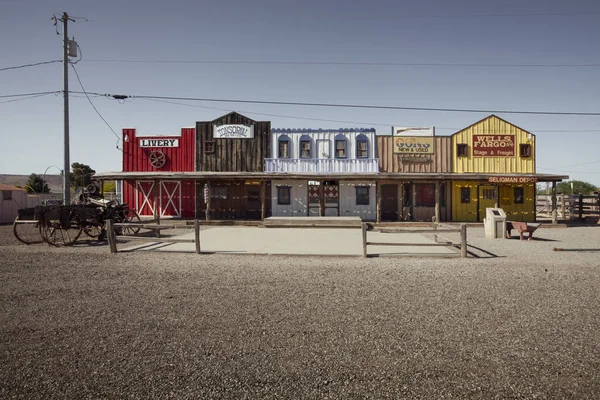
x=493, y=145
x=512, y=179
x=413, y=145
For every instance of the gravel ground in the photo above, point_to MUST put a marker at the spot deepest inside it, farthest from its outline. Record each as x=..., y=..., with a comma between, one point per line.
x=516, y=320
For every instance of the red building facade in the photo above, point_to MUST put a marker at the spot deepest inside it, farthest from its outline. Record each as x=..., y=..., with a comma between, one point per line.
x=160, y=197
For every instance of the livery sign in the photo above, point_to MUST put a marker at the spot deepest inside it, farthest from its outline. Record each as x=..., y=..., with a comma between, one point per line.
x=158, y=142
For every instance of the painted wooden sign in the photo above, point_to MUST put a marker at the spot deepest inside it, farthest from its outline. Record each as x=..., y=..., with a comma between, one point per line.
x=413, y=145
x=493, y=145
x=233, y=131
x=512, y=179
x=413, y=131
x=158, y=142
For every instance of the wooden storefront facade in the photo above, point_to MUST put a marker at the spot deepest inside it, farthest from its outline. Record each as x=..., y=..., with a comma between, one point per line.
x=235, y=168
x=504, y=152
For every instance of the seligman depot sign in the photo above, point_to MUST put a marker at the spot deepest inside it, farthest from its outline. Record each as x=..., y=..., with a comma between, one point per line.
x=493, y=145
x=233, y=131
x=512, y=179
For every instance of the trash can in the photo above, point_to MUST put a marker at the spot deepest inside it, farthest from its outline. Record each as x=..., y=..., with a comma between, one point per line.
x=495, y=223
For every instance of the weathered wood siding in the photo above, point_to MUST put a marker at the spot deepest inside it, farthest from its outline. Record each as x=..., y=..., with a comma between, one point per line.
x=233, y=155
x=232, y=207
x=439, y=161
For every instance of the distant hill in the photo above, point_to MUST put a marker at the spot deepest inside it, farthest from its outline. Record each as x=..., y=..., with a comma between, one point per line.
x=54, y=182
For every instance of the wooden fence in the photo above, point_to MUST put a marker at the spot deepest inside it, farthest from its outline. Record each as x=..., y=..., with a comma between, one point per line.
x=437, y=237
x=568, y=207
x=112, y=237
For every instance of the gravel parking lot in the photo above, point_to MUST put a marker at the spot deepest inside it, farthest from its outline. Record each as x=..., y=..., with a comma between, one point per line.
x=516, y=320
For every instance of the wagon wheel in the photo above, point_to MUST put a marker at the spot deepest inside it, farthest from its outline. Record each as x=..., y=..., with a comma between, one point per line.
x=157, y=159
x=26, y=232
x=60, y=233
x=93, y=230
x=128, y=216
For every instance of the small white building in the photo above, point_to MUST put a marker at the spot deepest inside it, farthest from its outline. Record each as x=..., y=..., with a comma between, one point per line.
x=323, y=173
x=11, y=199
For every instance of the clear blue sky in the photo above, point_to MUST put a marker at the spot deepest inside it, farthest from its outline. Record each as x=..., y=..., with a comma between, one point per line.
x=431, y=31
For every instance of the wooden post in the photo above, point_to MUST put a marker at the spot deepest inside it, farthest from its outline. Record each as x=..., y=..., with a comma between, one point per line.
x=207, y=199
x=580, y=206
x=496, y=191
x=562, y=206
x=262, y=199
x=463, y=240
x=197, y=235
x=321, y=199
x=554, y=220
x=598, y=204
x=110, y=234
x=378, y=218
x=364, y=239
x=437, y=201
x=413, y=201
x=156, y=194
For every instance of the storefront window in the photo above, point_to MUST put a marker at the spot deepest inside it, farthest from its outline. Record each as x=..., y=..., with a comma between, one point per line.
x=305, y=147
x=519, y=194
x=340, y=146
x=425, y=195
x=362, y=146
x=284, y=147
x=283, y=195
x=465, y=195
x=219, y=192
x=362, y=195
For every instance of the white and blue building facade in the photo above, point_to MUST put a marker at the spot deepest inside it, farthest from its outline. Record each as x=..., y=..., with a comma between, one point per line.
x=323, y=172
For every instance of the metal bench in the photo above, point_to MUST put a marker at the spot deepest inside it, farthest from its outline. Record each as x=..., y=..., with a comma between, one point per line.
x=522, y=227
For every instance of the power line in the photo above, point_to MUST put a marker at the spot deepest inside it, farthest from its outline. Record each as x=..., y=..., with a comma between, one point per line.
x=334, y=105
x=577, y=165
x=94, y=107
x=29, y=65
x=532, y=14
x=29, y=94
x=272, y=115
x=25, y=98
x=384, y=64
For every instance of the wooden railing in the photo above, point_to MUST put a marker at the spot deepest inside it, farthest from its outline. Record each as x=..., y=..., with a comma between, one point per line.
x=113, y=238
x=437, y=236
x=568, y=207
x=321, y=165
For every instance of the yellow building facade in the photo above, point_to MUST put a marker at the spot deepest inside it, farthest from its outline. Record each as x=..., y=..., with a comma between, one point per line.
x=499, y=159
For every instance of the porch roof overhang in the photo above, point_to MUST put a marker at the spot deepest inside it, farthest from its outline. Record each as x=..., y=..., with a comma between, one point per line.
x=427, y=176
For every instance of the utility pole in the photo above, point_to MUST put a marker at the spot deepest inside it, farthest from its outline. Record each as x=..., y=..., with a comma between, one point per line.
x=67, y=162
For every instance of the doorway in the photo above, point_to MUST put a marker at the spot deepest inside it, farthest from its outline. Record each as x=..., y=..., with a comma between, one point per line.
x=389, y=202
x=323, y=199
x=253, y=203
x=487, y=198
